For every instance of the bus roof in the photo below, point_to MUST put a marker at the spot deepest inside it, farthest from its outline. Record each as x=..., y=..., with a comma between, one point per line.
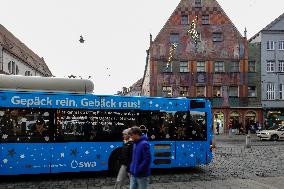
x=45, y=84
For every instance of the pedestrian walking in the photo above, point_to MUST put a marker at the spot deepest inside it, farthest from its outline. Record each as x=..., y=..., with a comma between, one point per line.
x=126, y=157
x=230, y=127
x=141, y=160
x=218, y=128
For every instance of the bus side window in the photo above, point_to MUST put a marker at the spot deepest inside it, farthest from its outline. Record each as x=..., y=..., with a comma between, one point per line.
x=162, y=125
x=181, y=125
x=115, y=121
x=153, y=130
x=25, y=125
x=198, y=129
x=75, y=125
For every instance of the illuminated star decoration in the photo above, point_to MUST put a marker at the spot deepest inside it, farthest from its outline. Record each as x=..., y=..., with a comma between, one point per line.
x=172, y=53
x=5, y=161
x=193, y=31
x=4, y=136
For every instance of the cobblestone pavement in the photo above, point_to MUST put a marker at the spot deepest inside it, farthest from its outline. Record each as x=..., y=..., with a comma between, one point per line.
x=234, y=166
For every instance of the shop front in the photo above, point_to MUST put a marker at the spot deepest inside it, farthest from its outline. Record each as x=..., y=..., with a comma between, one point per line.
x=273, y=117
x=219, y=123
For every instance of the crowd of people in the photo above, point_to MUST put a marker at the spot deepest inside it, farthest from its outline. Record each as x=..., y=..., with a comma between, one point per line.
x=238, y=127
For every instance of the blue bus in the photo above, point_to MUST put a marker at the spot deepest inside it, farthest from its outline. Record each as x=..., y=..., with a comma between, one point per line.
x=55, y=132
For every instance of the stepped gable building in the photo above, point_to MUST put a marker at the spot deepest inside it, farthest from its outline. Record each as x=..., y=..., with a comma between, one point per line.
x=270, y=42
x=17, y=59
x=134, y=90
x=214, y=65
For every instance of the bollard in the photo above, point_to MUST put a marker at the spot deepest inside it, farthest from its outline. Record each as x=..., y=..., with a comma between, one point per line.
x=248, y=141
x=214, y=141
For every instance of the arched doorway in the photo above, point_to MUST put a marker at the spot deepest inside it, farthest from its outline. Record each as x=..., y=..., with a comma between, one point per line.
x=235, y=122
x=220, y=121
x=250, y=119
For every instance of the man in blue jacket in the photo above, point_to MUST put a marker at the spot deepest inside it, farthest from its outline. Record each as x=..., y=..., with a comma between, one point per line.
x=141, y=160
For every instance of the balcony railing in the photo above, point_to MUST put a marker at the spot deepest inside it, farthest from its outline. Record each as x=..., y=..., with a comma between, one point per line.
x=234, y=102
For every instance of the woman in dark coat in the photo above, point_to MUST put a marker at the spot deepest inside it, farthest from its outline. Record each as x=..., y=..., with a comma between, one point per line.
x=126, y=157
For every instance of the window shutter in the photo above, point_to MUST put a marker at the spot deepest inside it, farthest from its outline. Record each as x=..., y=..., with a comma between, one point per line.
x=17, y=70
x=9, y=67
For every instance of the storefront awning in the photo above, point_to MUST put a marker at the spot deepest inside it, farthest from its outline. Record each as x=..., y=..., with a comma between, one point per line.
x=280, y=118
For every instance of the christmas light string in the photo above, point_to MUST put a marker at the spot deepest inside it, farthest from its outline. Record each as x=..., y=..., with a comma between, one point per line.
x=193, y=31
x=194, y=35
x=172, y=53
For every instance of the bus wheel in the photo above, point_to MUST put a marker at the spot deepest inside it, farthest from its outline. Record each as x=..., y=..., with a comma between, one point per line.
x=114, y=161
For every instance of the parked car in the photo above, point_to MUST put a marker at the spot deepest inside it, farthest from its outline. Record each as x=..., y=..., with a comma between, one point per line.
x=274, y=133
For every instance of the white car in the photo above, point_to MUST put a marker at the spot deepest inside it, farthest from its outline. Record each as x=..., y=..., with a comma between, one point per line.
x=274, y=133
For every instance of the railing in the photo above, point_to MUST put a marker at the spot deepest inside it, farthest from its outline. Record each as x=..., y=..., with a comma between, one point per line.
x=235, y=102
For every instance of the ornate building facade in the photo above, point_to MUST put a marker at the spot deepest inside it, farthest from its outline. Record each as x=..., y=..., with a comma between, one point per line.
x=200, y=53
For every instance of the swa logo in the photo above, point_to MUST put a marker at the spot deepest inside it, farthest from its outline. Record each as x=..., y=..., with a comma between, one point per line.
x=75, y=164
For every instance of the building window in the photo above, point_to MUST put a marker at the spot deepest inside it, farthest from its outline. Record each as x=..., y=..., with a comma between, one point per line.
x=174, y=38
x=281, y=45
x=183, y=67
x=198, y=3
x=205, y=19
x=167, y=68
x=184, y=20
x=281, y=66
x=184, y=91
x=270, y=45
x=201, y=91
x=13, y=68
x=270, y=91
x=252, y=91
x=233, y=91
x=17, y=70
x=167, y=91
x=281, y=91
x=201, y=67
x=252, y=66
x=28, y=73
x=217, y=37
x=235, y=67
x=270, y=66
x=219, y=67
x=217, y=91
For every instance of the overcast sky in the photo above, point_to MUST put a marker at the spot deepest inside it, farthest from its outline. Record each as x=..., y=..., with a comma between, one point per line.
x=116, y=33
